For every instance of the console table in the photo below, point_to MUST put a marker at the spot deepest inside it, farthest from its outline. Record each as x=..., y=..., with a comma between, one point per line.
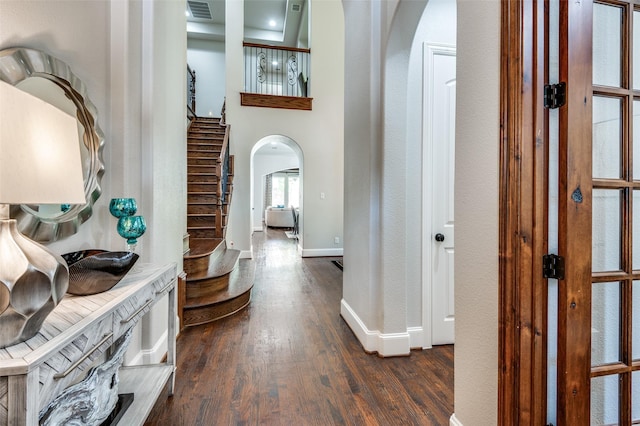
x=79, y=331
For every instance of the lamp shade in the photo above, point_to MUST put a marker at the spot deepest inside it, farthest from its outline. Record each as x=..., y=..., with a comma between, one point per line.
x=40, y=160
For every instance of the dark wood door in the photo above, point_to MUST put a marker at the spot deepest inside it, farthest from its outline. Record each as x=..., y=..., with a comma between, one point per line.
x=598, y=337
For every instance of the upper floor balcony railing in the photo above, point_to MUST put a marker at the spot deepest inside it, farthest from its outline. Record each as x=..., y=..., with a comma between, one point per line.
x=276, y=77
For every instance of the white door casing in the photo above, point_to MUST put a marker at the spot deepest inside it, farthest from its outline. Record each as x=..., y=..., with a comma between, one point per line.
x=439, y=85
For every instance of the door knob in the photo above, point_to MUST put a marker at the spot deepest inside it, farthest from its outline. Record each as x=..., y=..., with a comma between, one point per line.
x=439, y=237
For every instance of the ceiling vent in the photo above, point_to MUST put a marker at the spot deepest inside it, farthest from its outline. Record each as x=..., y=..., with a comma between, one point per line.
x=200, y=9
x=295, y=7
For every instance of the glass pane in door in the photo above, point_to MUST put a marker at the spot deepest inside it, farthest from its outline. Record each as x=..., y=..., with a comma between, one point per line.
x=636, y=50
x=605, y=323
x=635, y=236
x=607, y=141
x=635, y=396
x=636, y=135
x=635, y=328
x=604, y=400
x=606, y=237
x=607, y=43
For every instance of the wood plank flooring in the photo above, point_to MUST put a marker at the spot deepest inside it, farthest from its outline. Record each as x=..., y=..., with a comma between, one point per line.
x=290, y=359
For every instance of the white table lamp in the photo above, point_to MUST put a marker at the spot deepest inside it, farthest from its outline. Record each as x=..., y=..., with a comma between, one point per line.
x=40, y=163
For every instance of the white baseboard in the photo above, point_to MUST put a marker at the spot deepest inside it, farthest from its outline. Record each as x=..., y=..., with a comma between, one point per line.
x=367, y=338
x=156, y=353
x=246, y=254
x=322, y=252
x=453, y=421
x=394, y=344
x=416, y=337
x=386, y=345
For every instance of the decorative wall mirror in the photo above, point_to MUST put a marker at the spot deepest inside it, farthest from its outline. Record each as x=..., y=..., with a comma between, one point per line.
x=51, y=80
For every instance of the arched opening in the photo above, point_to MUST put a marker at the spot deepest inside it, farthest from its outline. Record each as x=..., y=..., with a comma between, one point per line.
x=277, y=176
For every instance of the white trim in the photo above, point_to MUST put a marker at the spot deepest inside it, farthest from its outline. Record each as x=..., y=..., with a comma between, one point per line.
x=246, y=254
x=416, y=337
x=394, y=344
x=368, y=339
x=157, y=352
x=258, y=229
x=322, y=252
x=453, y=421
x=386, y=345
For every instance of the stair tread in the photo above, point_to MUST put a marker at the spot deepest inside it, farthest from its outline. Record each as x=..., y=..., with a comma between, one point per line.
x=221, y=265
x=202, y=246
x=241, y=280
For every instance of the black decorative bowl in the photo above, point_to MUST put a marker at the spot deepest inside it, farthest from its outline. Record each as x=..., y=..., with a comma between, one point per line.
x=95, y=271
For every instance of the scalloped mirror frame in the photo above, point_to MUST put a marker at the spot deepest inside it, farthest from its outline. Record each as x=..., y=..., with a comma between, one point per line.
x=19, y=64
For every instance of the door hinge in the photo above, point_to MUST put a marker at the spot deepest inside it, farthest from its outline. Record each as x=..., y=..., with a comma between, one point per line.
x=553, y=266
x=555, y=95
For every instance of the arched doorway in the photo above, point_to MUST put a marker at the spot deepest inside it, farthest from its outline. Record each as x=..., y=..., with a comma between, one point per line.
x=279, y=156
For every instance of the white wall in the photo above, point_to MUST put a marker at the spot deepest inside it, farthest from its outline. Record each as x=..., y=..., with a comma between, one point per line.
x=362, y=150
x=477, y=185
x=372, y=286
x=206, y=58
x=378, y=248
x=164, y=147
x=319, y=133
x=134, y=73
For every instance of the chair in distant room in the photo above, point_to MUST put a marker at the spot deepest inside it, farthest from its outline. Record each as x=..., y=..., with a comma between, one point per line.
x=295, y=214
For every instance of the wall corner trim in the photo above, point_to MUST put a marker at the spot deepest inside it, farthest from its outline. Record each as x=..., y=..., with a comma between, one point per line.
x=416, y=338
x=386, y=345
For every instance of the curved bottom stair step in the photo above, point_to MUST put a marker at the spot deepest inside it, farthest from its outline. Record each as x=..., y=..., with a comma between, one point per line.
x=199, y=254
x=223, y=261
x=224, y=302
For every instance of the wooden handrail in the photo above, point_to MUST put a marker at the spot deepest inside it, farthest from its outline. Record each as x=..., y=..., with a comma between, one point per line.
x=268, y=46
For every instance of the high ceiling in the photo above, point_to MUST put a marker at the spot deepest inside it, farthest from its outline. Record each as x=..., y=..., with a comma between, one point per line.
x=275, y=22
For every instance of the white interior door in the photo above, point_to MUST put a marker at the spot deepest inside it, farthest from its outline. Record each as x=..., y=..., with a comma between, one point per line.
x=440, y=85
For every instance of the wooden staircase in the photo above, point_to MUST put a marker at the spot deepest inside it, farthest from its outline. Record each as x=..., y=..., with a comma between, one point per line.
x=218, y=283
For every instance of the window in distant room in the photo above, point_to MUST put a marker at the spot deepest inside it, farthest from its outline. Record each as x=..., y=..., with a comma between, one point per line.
x=293, y=182
x=285, y=189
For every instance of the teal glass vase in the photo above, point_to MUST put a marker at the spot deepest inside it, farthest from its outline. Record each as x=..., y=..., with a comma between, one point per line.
x=122, y=207
x=131, y=228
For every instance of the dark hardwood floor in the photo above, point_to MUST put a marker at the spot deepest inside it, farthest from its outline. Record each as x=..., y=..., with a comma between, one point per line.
x=290, y=359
